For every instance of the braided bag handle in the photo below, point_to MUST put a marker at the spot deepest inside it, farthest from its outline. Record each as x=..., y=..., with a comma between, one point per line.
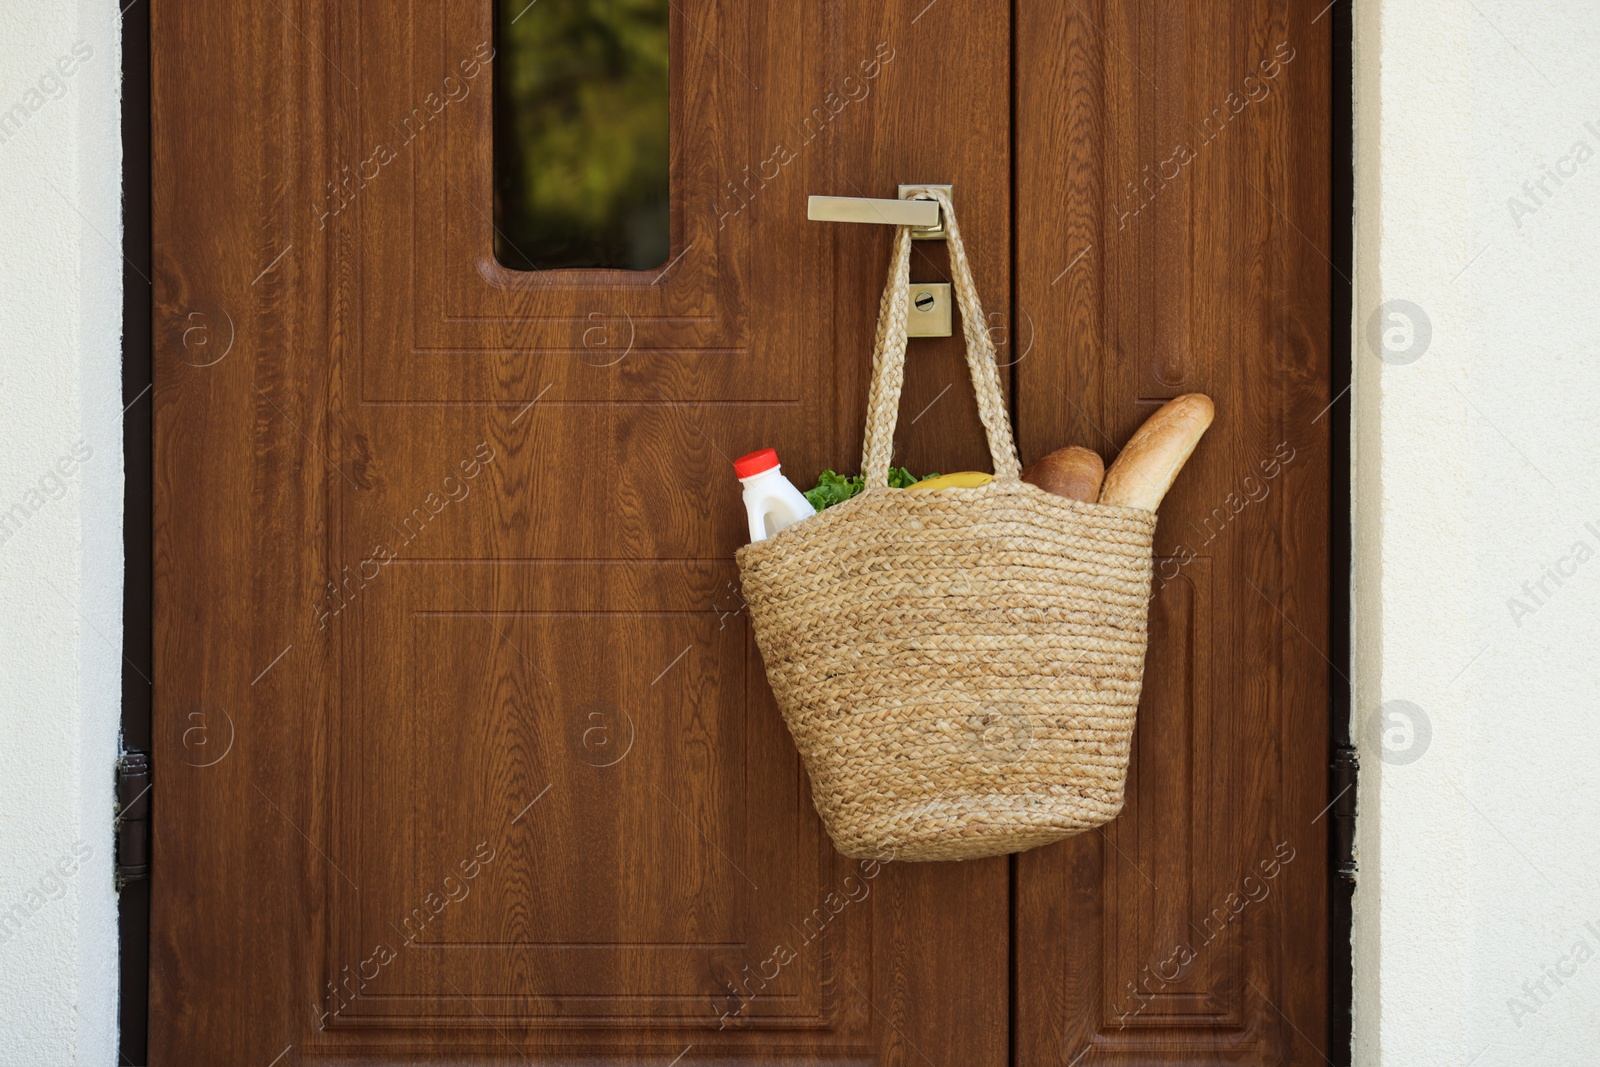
x=889, y=359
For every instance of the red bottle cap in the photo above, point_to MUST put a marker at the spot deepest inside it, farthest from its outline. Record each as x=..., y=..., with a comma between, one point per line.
x=755, y=463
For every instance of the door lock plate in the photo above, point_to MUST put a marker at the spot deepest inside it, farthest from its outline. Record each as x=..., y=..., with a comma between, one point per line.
x=929, y=312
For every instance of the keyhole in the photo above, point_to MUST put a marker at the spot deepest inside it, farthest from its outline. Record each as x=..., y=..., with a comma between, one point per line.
x=924, y=301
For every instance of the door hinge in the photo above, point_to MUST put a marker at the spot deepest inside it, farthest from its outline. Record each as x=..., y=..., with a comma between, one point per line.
x=132, y=824
x=1342, y=811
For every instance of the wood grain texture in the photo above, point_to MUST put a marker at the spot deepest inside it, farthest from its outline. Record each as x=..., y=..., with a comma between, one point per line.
x=1171, y=202
x=443, y=551
x=448, y=549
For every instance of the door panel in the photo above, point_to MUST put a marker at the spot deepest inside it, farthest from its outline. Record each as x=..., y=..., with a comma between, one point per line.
x=449, y=547
x=444, y=550
x=1171, y=200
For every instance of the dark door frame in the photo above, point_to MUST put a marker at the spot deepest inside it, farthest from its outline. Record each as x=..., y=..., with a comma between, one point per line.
x=138, y=598
x=1341, y=783
x=133, y=897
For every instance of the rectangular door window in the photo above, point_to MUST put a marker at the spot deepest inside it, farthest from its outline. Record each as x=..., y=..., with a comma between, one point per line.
x=581, y=134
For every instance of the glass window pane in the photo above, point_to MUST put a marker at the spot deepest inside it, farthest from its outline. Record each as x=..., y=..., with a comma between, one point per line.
x=580, y=138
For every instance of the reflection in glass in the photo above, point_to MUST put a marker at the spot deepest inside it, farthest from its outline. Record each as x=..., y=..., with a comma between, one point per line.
x=580, y=134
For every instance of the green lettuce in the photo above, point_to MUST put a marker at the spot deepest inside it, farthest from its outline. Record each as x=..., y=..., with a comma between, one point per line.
x=832, y=488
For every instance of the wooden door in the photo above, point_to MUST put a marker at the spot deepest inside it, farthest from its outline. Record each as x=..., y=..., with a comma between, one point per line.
x=463, y=750
x=445, y=550
x=1172, y=222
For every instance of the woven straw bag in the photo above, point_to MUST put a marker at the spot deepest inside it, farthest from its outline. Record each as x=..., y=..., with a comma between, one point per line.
x=960, y=668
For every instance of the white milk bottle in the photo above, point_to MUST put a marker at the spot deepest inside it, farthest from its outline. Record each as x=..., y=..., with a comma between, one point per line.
x=771, y=499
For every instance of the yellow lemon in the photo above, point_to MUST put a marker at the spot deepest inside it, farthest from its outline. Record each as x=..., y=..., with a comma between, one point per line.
x=959, y=480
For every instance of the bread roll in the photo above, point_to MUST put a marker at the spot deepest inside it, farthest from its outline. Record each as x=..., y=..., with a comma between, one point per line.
x=1144, y=471
x=1071, y=472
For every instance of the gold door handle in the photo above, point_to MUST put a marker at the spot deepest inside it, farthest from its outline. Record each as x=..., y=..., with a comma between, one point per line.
x=924, y=216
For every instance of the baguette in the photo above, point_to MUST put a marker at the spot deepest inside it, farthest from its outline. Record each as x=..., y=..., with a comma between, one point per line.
x=1071, y=472
x=1151, y=460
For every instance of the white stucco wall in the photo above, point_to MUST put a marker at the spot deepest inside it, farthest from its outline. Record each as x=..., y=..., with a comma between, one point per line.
x=60, y=528
x=1478, y=532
